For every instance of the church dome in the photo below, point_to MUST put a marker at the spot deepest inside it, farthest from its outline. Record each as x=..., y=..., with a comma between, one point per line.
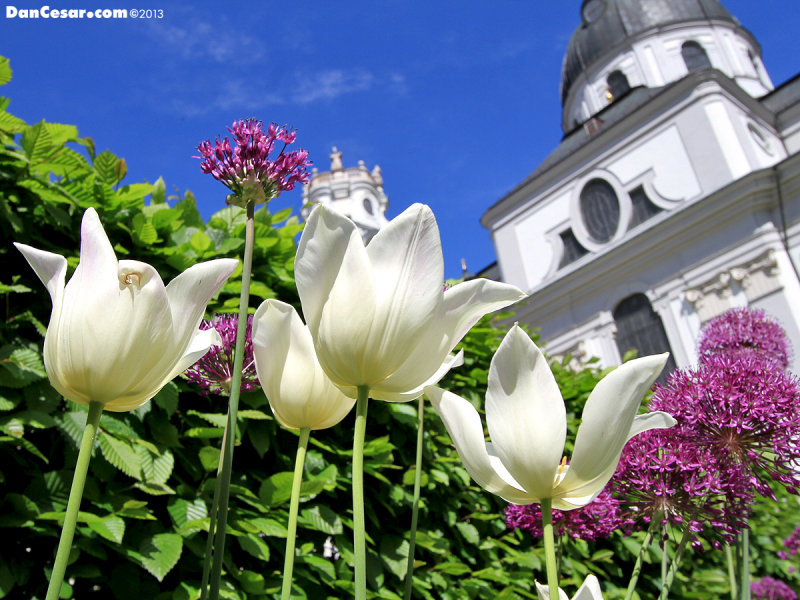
x=610, y=28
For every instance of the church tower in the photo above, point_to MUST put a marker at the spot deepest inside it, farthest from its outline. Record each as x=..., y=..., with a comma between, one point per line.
x=674, y=194
x=355, y=192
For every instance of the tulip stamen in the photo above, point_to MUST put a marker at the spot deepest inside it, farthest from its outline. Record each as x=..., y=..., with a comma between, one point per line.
x=562, y=470
x=132, y=279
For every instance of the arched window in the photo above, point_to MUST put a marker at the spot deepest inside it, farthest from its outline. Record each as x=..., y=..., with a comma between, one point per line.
x=643, y=207
x=618, y=85
x=572, y=249
x=368, y=206
x=640, y=328
x=695, y=57
x=600, y=210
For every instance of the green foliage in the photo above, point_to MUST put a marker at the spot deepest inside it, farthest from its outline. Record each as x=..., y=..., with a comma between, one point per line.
x=145, y=513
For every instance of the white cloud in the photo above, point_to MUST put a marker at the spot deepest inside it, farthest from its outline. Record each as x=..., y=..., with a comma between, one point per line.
x=327, y=85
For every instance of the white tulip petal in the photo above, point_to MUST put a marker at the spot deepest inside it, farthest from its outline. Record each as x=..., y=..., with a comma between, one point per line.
x=525, y=413
x=607, y=419
x=336, y=287
x=589, y=590
x=299, y=392
x=463, y=305
x=190, y=292
x=379, y=392
x=463, y=423
x=406, y=261
x=50, y=268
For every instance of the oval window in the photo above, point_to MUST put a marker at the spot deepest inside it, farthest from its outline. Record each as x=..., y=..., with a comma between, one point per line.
x=600, y=210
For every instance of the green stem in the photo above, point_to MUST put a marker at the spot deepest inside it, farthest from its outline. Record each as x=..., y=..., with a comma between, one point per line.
x=664, y=555
x=212, y=522
x=359, y=542
x=74, y=502
x=288, y=563
x=637, y=567
x=731, y=572
x=673, y=567
x=415, y=507
x=549, y=547
x=233, y=406
x=744, y=540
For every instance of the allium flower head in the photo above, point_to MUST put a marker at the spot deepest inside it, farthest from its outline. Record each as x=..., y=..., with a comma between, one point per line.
x=247, y=169
x=665, y=477
x=214, y=372
x=768, y=588
x=597, y=520
x=744, y=411
x=745, y=332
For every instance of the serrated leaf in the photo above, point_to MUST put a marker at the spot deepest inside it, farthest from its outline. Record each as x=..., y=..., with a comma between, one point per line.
x=36, y=142
x=277, y=488
x=110, y=527
x=254, y=414
x=321, y=518
x=394, y=552
x=209, y=457
x=167, y=398
x=160, y=553
x=159, y=192
x=105, y=167
x=153, y=488
x=187, y=516
x=254, y=546
x=5, y=70
x=120, y=455
x=218, y=419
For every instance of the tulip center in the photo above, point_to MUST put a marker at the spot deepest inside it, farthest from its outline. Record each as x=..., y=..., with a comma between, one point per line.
x=562, y=471
x=132, y=278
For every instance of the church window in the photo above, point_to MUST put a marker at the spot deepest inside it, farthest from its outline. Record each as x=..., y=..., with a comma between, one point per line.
x=572, y=249
x=643, y=207
x=618, y=85
x=368, y=206
x=640, y=328
x=695, y=57
x=599, y=210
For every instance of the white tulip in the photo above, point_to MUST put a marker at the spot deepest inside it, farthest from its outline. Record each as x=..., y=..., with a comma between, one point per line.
x=116, y=335
x=299, y=392
x=590, y=590
x=378, y=314
x=527, y=423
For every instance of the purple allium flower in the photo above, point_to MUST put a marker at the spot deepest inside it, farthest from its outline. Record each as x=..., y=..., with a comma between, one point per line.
x=791, y=543
x=768, y=588
x=596, y=520
x=214, y=372
x=747, y=332
x=249, y=161
x=745, y=411
x=661, y=475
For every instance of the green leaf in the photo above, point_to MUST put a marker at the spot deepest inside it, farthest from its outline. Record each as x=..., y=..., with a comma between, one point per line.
x=209, y=457
x=218, y=419
x=167, y=398
x=394, y=552
x=254, y=546
x=188, y=517
x=105, y=167
x=120, y=454
x=160, y=553
x=321, y=518
x=111, y=527
x=37, y=142
x=153, y=488
x=276, y=489
x=5, y=70
x=159, y=192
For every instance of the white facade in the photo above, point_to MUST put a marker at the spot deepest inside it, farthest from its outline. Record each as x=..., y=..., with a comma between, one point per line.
x=355, y=192
x=697, y=179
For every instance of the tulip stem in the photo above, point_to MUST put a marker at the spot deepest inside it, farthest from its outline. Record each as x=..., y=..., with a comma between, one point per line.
x=294, y=505
x=226, y=457
x=74, y=502
x=549, y=547
x=637, y=567
x=212, y=522
x=744, y=587
x=731, y=572
x=415, y=506
x=359, y=542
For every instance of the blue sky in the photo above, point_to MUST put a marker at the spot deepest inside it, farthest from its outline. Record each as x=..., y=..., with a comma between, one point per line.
x=456, y=106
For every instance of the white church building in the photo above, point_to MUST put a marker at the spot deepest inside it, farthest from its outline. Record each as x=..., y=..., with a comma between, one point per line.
x=673, y=196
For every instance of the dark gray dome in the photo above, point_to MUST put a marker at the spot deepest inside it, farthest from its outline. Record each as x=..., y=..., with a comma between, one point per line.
x=608, y=23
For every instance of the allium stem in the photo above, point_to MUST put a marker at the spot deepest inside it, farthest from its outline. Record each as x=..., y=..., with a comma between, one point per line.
x=233, y=406
x=415, y=506
x=294, y=506
x=731, y=572
x=212, y=523
x=549, y=547
x=637, y=567
x=744, y=588
x=74, y=502
x=673, y=567
x=359, y=522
